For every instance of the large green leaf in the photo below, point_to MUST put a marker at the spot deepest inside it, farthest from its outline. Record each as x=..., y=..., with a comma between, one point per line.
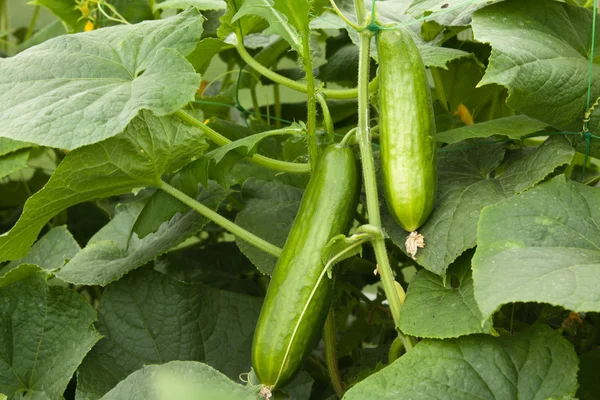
x=541, y=246
x=114, y=251
x=158, y=319
x=45, y=332
x=79, y=89
x=466, y=186
x=199, y=4
x=438, y=307
x=540, y=52
x=267, y=201
x=149, y=147
x=535, y=365
x=180, y=380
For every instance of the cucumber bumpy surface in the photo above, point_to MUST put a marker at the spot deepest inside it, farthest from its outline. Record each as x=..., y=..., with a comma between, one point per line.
x=406, y=129
x=299, y=294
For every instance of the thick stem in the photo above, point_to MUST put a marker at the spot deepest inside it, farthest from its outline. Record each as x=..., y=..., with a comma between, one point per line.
x=331, y=354
x=255, y=103
x=31, y=28
x=313, y=148
x=221, y=221
x=277, y=100
x=370, y=180
x=300, y=87
x=271, y=163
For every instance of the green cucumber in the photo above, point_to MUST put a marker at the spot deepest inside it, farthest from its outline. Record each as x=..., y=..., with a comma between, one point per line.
x=299, y=295
x=406, y=129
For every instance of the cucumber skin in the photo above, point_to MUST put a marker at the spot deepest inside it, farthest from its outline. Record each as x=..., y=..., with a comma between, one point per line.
x=406, y=129
x=326, y=210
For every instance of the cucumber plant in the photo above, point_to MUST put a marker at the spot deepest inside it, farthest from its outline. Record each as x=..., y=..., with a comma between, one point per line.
x=306, y=199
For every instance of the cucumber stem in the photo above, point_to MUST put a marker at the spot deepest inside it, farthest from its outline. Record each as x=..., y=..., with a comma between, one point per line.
x=220, y=140
x=327, y=120
x=313, y=148
x=331, y=354
x=221, y=221
x=370, y=179
x=298, y=86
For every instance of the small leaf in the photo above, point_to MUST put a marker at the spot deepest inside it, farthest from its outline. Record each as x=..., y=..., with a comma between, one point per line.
x=341, y=247
x=8, y=146
x=540, y=246
x=515, y=127
x=149, y=147
x=50, y=252
x=65, y=10
x=79, y=89
x=447, y=12
x=45, y=331
x=537, y=364
x=13, y=162
x=160, y=319
x=113, y=252
x=179, y=380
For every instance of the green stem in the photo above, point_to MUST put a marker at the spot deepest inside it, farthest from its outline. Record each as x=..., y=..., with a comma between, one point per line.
x=331, y=354
x=217, y=138
x=31, y=28
x=439, y=87
x=313, y=148
x=395, y=349
x=278, y=109
x=350, y=138
x=370, y=179
x=4, y=24
x=221, y=221
x=298, y=86
x=343, y=17
x=255, y=103
x=327, y=120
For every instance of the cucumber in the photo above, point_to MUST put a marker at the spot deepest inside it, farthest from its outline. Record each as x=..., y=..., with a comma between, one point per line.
x=299, y=294
x=406, y=129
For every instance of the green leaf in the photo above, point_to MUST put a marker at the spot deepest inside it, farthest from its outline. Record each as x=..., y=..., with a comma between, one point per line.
x=267, y=201
x=113, y=251
x=534, y=365
x=158, y=319
x=535, y=53
x=45, y=331
x=80, y=89
x=589, y=385
x=50, y=252
x=437, y=309
x=248, y=24
x=541, y=246
x=199, y=4
x=49, y=31
x=13, y=162
x=65, y=10
x=180, y=380
x=287, y=18
x=446, y=12
x=9, y=145
x=220, y=265
x=149, y=147
x=515, y=127
x=434, y=56
x=204, y=52
x=465, y=187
